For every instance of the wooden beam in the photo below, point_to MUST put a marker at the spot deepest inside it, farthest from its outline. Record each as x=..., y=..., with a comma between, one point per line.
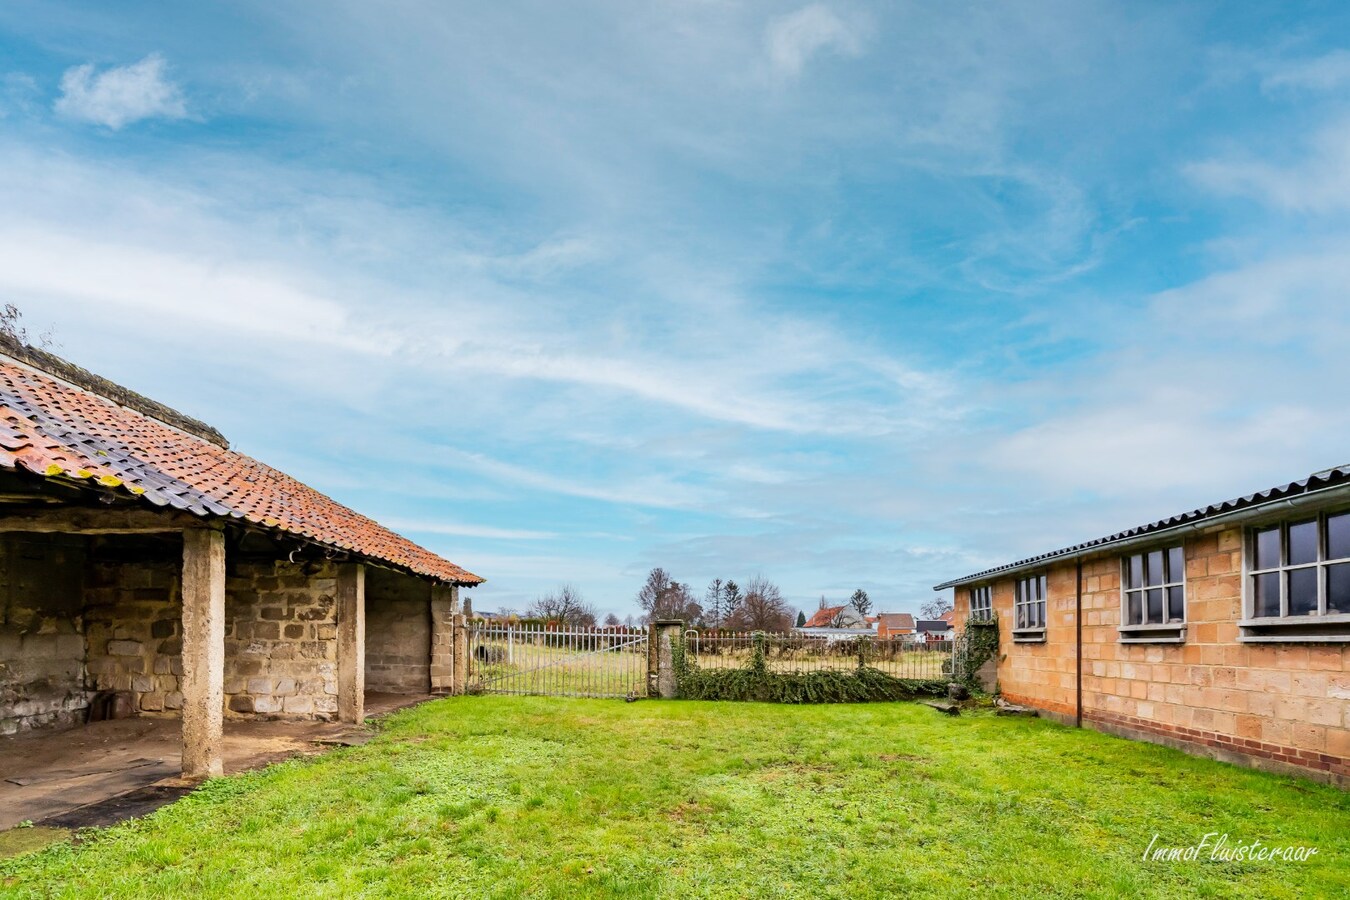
x=85, y=520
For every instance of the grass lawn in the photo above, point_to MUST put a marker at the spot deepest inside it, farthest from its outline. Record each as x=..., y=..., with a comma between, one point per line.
x=524, y=796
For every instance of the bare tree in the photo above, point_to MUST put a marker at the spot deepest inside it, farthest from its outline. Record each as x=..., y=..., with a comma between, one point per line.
x=861, y=602
x=840, y=618
x=565, y=606
x=936, y=609
x=764, y=608
x=662, y=597
x=11, y=326
x=612, y=621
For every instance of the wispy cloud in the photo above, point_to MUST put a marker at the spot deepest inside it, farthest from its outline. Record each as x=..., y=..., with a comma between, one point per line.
x=1316, y=182
x=1319, y=73
x=457, y=529
x=121, y=95
x=791, y=41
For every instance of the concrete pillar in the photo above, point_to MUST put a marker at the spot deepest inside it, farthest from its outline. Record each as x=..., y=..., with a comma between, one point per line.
x=203, y=681
x=661, y=682
x=351, y=642
x=461, y=654
x=444, y=603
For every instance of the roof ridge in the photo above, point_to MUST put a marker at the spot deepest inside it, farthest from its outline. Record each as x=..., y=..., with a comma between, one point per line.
x=56, y=367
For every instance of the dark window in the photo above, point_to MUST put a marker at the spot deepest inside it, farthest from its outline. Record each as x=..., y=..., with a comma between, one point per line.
x=981, y=602
x=1155, y=592
x=1029, y=603
x=1301, y=568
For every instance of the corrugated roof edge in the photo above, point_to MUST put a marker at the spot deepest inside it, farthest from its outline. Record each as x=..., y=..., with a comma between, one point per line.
x=1326, y=478
x=55, y=366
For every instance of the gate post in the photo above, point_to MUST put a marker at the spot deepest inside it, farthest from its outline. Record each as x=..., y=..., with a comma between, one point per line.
x=661, y=682
x=461, y=654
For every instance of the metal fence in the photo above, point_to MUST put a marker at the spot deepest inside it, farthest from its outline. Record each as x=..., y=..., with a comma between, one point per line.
x=794, y=652
x=575, y=662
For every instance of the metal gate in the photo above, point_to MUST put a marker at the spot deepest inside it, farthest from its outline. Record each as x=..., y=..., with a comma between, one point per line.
x=572, y=662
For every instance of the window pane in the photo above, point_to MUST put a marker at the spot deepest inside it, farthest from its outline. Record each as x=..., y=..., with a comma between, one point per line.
x=1134, y=573
x=1303, y=542
x=1268, y=548
x=1040, y=614
x=1266, y=594
x=1040, y=588
x=1176, y=565
x=1134, y=608
x=1176, y=604
x=1153, y=571
x=1303, y=592
x=1338, y=588
x=1338, y=537
x=1155, y=599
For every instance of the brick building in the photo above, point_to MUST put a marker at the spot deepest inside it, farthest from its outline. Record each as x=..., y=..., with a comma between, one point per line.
x=1224, y=631
x=148, y=569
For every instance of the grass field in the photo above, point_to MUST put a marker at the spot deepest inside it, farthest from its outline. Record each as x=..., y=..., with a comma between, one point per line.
x=518, y=796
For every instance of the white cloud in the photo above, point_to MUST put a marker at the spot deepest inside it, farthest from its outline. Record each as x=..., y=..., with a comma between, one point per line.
x=457, y=529
x=18, y=93
x=120, y=95
x=1322, y=73
x=792, y=40
x=1319, y=182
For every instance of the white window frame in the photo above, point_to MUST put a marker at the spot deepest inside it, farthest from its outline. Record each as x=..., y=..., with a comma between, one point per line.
x=982, y=602
x=1033, y=631
x=1316, y=627
x=1165, y=632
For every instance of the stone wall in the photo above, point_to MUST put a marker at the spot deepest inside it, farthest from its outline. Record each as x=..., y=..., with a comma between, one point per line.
x=398, y=633
x=41, y=632
x=133, y=613
x=1275, y=706
x=281, y=639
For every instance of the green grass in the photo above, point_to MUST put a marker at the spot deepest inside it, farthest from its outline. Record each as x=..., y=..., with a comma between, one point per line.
x=519, y=796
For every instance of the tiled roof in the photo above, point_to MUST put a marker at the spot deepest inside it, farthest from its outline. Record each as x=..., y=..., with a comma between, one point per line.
x=823, y=617
x=897, y=621
x=57, y=430
x=1326, y=479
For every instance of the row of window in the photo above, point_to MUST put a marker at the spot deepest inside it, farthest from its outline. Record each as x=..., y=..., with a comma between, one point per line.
x=1296, y=572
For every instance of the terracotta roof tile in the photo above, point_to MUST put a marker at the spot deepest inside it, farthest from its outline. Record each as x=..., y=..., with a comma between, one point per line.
x=823, y=617
x=57, y=430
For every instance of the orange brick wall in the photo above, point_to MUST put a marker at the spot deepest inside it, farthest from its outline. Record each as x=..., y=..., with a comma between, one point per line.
x=1280, y=706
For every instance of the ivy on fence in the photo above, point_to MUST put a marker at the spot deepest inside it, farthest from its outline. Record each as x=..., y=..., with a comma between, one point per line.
x=755, y=681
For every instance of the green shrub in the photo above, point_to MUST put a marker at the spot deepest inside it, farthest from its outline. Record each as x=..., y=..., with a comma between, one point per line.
x=756, y=682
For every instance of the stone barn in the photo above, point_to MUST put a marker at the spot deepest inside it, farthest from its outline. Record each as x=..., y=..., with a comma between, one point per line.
x=146, y=569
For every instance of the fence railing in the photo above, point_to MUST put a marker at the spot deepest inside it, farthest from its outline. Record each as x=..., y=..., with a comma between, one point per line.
x=794, y=652
x=575, y=662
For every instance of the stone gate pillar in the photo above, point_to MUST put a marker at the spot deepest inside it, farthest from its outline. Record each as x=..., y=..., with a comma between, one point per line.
x=661, y=682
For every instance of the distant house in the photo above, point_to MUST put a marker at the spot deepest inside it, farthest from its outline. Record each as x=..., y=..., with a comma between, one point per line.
x=896, y=627
x=836, y=623
x=933, y=631
x=837, y=617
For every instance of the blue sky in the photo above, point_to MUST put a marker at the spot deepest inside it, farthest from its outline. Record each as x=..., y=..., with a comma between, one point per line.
x=845, y=294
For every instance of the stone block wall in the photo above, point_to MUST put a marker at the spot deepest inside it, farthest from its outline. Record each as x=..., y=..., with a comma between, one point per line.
x=398, y=633
x=1275, y=706
x=41, y=632
x=281, y=639
x=133, y=615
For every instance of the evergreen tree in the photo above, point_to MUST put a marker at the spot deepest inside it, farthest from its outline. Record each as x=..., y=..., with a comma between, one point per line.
x=801, y=619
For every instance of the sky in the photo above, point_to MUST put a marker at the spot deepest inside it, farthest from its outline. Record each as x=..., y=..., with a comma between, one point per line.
x=845, y=294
